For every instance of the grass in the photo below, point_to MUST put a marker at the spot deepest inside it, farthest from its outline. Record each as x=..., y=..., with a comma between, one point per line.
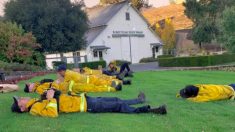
x=160, y=88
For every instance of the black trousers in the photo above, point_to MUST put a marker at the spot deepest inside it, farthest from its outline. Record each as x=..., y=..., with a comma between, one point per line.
x=113, y=104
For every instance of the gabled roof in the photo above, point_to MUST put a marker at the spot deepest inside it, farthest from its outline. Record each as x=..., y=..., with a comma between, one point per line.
x=100, y=15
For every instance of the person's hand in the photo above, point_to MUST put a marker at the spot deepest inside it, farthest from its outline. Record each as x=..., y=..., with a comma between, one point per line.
x=50, y=94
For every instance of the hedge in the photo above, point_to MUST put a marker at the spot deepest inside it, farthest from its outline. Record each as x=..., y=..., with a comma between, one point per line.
x=149, y=59
x=120, y=62
x=196, y=60
x=93, y=65
x=18, y=67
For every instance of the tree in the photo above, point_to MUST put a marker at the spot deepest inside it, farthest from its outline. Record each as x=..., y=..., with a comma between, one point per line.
x=227, y=28
x=18, y=46
x=204, y=14
x=136, y=3
x=167, y=34
x=58, y=25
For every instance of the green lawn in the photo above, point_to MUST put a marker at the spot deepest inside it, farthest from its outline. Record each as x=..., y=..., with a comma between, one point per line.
x=160, y=88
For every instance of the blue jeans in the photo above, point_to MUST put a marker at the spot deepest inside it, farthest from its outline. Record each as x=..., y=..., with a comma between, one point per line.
x=113, y=104
x=233, y=86
x=123, y=67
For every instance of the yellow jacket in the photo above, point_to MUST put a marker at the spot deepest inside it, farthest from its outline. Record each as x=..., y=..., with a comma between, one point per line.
x=89, y=71
x=41, y=88
x=48, y=108
x=212, y=93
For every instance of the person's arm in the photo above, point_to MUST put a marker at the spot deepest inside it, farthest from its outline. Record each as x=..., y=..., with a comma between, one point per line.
x=46, y=108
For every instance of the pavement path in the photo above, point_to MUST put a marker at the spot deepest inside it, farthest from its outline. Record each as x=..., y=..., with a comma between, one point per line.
x=145, y=66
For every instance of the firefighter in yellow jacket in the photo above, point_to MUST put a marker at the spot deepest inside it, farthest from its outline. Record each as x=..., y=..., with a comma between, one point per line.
x=64, y=87
x=54, y=103
x=207, y=92
x=69, y=75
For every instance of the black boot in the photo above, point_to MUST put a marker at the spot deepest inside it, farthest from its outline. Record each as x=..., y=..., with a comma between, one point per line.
x=160, y=110
x=121, y=76
x=143, y=109
x=130, y=74
x=118, y=87
x=126, y=82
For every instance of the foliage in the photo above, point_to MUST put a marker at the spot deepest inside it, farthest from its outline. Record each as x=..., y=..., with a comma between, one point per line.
x=18, y=46
x=18, y=67
x=227, y=28
x=120, y=62
x=167, y=34
x=196, y=60
x=93, y=65
x=204, y=14
x=136, y=3
x=148, y=59
x=58, y=25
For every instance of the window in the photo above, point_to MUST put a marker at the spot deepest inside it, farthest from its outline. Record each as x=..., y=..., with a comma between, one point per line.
x=157, y=49
x=127, y=16
x=76, y=53
x=95, y=54
x=100, y=54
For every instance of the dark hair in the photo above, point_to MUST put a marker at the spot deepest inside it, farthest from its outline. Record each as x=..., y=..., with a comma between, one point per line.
x=189, y=91
x=61, y=67
x=26, y=88
x=15, y=107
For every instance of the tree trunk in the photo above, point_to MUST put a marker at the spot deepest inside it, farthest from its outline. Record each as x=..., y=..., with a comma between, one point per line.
x=200, y=45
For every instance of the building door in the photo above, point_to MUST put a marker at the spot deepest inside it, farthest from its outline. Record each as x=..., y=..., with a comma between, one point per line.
x=125, y=49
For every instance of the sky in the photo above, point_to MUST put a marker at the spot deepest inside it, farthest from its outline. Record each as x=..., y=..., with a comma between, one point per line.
x=90, y=3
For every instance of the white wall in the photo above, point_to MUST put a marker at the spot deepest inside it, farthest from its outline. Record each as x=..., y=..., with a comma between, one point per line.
x=120, y=47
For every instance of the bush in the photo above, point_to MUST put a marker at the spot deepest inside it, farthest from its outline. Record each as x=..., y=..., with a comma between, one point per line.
x=18, y=67
x=120, y=62
x=164, y=56
x=196, y=61
x=57, y=63
x=149, y=59
x=93, y=65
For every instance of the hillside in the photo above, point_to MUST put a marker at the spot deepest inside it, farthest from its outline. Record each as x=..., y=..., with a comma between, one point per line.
x=175, y=11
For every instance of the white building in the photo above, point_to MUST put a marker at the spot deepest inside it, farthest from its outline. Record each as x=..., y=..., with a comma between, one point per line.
x=117, y=32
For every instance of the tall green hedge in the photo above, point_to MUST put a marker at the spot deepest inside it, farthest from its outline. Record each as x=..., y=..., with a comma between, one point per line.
x=196, y=60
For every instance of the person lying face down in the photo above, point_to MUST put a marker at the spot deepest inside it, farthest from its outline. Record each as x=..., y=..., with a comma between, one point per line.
x=53, y=103
x=71, y=87
x=207, y=92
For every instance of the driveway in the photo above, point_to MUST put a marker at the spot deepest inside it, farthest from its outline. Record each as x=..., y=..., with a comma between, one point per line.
x=144, y=66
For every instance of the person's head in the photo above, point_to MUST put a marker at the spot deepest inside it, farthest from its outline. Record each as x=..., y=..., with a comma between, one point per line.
x=111, y=65
x=61, y=70
x=29, y=87
x=189, y=91
x=19, y=104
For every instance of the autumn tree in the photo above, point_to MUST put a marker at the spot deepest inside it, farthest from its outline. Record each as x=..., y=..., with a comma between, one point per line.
x=167, y=34
x=136, y=3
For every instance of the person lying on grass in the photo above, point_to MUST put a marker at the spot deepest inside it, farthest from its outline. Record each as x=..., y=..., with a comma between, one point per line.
x=53, y=103
x=46, y=84
x=69, y=76
x=207, y=92
x=5, y=88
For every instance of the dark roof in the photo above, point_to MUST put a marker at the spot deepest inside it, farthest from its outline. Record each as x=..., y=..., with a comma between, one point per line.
x=100, y=47
x=92, y=33
x=100, y=15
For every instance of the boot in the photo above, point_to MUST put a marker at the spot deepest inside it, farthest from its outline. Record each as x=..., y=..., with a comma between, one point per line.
x=160, y=110
x=114, y=84
x=121, y=76
x=130, y=74
x=118, y=87
x=126, y=82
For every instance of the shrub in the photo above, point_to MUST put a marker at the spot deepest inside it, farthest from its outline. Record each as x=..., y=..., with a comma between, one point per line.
x=164, y=56
x=120, y=62
x=196, y=60
x=93, y=65
x=18, y=67
x=149, y=59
